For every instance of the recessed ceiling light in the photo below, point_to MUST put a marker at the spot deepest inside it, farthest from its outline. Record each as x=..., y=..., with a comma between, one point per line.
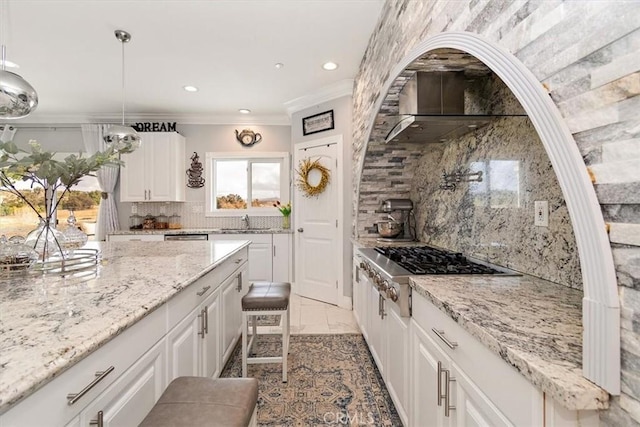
x=472, y=126
x=9, y=64
x=330, y=66
x=190, y=88
x=279, y=65
x=244, y=111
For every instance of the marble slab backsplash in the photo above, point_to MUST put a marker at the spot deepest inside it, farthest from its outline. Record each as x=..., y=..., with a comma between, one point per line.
x=192, y=216
x=494, y=219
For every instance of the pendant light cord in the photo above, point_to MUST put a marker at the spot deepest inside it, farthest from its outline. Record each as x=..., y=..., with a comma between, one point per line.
x=123, y=42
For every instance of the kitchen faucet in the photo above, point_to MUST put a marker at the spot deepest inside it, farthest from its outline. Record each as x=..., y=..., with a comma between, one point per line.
x=245, y=221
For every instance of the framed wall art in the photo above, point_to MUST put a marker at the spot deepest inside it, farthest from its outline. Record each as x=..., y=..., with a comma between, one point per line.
x=318, y=123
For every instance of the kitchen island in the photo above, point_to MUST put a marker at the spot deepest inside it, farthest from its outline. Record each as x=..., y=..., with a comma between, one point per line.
x=51, y=323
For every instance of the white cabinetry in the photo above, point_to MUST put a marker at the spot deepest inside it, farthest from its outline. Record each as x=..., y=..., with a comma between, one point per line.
x=194, y=342
x=360, y=296
x=132, y=396
x=269, y=255
x=118, y=384
x=450, y=365
x=233, y=289
x=155, y=171
x=387, y=334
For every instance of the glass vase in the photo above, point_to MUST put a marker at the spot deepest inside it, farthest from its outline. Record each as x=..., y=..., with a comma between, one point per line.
x=74, y=237
x=285, y=222
x=45, y=240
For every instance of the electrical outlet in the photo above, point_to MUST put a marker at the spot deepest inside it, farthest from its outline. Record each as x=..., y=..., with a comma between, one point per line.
x=163, y=210
x=541, y=213
x=134, y=208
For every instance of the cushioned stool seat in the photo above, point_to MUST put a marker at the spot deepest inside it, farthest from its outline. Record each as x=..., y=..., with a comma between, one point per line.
x=264, y=298
x=199, y=401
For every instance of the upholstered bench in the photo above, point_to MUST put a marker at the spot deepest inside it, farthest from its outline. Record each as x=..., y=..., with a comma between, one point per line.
x=265, y=298
x=206, y=402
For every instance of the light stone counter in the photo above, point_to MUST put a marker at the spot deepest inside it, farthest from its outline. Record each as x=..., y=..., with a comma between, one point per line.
x=533, y=324
x=49, y=323
x=202, y=231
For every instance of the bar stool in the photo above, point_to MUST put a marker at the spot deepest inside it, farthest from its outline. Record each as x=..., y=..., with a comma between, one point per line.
x=265, y=298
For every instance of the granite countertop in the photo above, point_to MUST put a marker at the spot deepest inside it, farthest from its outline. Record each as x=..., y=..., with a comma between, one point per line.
x=49, y=323
x=204, y=231
x=533, y=324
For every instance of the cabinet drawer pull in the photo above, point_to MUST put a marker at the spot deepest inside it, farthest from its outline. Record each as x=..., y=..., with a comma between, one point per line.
x=100, y=375
x=239, y=260
x=203, y=291
x=98, y=422
x=440, y=334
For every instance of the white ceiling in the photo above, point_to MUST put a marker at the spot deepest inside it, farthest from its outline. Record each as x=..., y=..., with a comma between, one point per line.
x=227, y=48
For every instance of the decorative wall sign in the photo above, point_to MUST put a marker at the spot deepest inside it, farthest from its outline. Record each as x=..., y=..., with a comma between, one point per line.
x=318, y=123
x=312, y=189
x=194, y=173
x=155, y=127
x=248, y=137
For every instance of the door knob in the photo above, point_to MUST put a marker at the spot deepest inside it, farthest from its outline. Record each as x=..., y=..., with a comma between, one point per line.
x=300, y=230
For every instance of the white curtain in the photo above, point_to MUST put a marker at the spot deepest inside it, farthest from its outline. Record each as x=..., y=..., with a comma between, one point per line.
x=107, y=179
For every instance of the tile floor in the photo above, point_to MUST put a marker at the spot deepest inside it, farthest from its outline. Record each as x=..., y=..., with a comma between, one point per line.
x=314, y=317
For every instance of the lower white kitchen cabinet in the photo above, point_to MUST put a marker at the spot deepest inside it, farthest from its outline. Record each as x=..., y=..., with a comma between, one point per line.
x=449, y=367
x=132, y=396
x=269, y=255
x=360, y=300
x=387, y=335
x=129, y=373
x=194, y=343
x=232, y=291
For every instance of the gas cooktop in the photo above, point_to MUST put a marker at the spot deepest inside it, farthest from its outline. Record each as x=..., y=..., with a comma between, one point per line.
x=421, y=260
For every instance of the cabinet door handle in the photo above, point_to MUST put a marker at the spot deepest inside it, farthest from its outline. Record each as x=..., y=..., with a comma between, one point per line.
x=439, y=385
x=440, y=334
x=447, y=392
x=99, y=421
x=100, y=375
x=203, y=291
x=274, y=251
x=239, y=287
x=201, y=331
x=448, y=379
x=205, y=312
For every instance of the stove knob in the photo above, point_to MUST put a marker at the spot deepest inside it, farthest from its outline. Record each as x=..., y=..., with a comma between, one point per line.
x=384, y=286
x=363, y=265
x=392, y=294
x=377, y=280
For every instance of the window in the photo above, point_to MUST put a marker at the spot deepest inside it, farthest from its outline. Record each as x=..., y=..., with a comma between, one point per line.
x=237, y=183
x=18, y=219
x=500, y=186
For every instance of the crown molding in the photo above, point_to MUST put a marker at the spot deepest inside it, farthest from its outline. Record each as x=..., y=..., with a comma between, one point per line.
x=327, y=93
x=181, y=119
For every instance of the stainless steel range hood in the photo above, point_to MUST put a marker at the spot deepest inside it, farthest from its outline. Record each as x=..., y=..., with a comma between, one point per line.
x=431, y=107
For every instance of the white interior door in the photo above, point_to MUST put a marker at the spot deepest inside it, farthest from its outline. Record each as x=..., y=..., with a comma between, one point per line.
x=316, y=219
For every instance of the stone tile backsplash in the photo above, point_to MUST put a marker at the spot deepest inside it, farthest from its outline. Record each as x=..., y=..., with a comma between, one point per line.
x=192, y=216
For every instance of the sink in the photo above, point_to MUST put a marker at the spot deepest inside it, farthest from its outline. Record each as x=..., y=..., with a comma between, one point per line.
x=245, y=230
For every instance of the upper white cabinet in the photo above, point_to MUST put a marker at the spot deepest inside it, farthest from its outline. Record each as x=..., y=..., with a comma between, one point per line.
x=155, y=172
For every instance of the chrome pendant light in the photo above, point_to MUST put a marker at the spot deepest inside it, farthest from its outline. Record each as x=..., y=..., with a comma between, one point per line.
x=120, y=136
x=17, y=97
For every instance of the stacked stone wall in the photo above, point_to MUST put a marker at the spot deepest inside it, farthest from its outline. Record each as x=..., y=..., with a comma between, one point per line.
x=587, y=53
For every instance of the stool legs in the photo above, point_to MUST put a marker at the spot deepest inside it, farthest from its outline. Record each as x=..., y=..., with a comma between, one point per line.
x=247, y=344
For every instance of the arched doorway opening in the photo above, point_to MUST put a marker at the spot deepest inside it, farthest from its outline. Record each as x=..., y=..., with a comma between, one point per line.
x=600, y=305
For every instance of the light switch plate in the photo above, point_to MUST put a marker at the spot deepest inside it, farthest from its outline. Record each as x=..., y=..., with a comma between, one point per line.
x=541, y=208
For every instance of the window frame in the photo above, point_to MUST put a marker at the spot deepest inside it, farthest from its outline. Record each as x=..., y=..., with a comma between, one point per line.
x=285, y=187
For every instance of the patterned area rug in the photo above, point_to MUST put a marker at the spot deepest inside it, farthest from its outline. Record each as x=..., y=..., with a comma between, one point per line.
x=269, y=320
x=332, y=380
